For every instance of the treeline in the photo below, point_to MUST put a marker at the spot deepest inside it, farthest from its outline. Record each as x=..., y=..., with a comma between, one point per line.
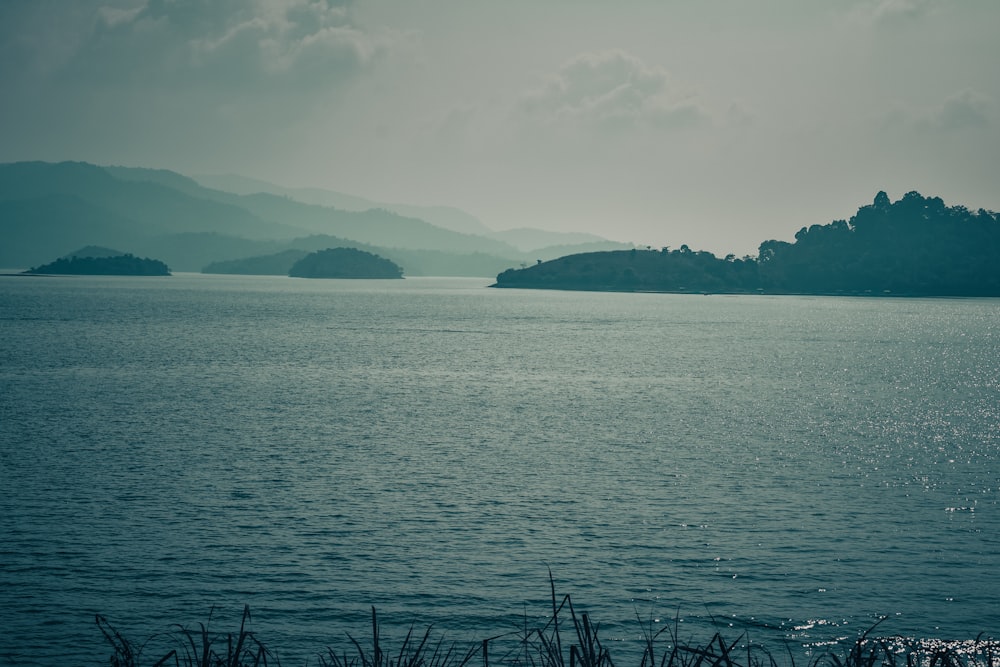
x=916, y=246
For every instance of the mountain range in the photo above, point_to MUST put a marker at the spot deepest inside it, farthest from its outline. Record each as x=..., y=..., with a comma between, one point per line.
x=50, y=209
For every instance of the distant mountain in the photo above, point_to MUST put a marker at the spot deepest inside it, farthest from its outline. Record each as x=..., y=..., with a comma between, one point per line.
x=527, y=240
x=446, y=217
x=153, y=208
x=165, y=177
x=35, y=229
x=418, y=262
x=437, y=263
x=554, y=251
x=94, y=251
x=519, y=242
x=414, y=262
x=50, y=209
x=192, y=251
x=278, y=264
x=242, y=185
x=376, y=226
x=546, y=244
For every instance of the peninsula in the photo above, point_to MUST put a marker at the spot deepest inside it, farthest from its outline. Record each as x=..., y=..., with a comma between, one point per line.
x=915, y=246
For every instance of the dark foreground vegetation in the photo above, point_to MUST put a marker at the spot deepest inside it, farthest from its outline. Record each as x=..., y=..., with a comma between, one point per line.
x=117, y=265
x=916, y=246
x=568, y=639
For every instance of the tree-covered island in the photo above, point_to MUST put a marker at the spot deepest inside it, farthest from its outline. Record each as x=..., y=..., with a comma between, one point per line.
x=344, y=263
x=916, y=246
x=114, y=265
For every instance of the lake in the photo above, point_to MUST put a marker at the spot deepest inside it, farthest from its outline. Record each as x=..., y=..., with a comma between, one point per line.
x=790, y=467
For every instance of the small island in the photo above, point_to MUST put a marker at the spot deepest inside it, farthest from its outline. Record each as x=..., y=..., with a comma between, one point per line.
x=113, y=265
x=344, y=263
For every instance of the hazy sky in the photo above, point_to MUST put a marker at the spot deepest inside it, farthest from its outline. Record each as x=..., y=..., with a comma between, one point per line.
x=716, y=123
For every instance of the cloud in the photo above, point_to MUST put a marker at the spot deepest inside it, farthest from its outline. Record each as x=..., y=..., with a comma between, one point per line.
x=224, y=44
x=893, y=13
x=610, y=90
x=965, y=110
x=114, y=16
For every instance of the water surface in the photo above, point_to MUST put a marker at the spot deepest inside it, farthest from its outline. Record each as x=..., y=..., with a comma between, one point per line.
x=793, y=466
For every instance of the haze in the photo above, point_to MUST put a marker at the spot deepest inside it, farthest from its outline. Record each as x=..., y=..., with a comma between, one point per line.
x=718, y=124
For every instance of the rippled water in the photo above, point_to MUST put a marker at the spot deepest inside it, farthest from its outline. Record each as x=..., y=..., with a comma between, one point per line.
x=793, y=466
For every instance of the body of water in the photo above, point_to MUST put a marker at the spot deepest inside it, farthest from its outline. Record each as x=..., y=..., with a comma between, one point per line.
x=792, y=467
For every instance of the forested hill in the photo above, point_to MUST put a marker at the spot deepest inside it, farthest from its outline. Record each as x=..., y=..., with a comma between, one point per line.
x=916, y=246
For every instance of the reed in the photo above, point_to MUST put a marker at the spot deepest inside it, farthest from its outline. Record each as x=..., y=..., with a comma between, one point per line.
x=411, y=653
x=194, y=648
x=567, y=639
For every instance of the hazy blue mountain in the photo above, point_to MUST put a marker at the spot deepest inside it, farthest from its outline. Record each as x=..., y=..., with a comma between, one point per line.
x=446, y=217
x=437, y=263
x=50, y=209
x=154, y=207
x=527, y=240
x=190, y=251
x=413, y=262
x=374, y=226
x=170, y=179
x=36, y=229
x=554, y=251
x=242, y=185
x=315, y=242
x=377, y=226
x=94, y=251
x=418, y=262
x=277, y=264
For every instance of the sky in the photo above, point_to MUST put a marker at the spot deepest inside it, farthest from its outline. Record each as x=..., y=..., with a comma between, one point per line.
x=713, y=123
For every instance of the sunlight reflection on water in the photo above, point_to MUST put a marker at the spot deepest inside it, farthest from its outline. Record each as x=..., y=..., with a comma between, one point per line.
x=796, y=466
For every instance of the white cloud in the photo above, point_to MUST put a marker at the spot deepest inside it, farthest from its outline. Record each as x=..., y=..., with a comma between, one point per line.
x=228, y=44
x=114, y=16
x=897, y=10
x=610, y=89
x=890, y=13
x=966, y=109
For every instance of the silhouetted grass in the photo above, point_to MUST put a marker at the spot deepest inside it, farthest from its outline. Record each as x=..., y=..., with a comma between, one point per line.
x=567, y=639
x=195, y=648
